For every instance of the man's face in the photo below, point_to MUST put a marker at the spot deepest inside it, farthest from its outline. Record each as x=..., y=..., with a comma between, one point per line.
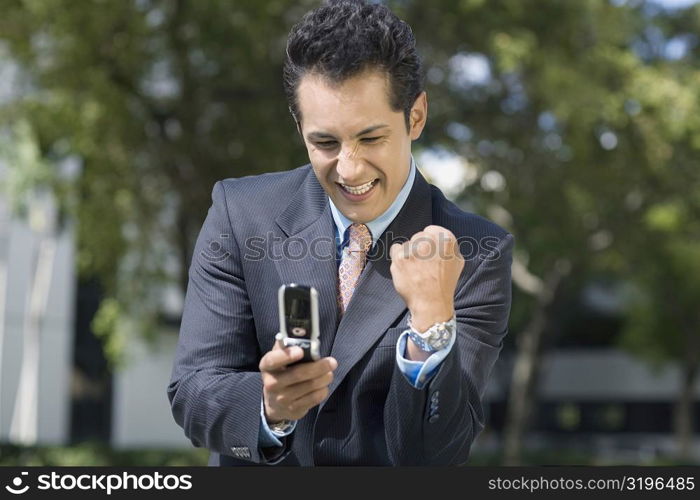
x=358, y=146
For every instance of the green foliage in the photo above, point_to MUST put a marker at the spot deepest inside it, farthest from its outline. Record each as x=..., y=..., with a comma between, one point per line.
x=27, y=169
x=595, y=132
x=664, y=317
x=157, y=100
x=108, y=325
x=94, y=454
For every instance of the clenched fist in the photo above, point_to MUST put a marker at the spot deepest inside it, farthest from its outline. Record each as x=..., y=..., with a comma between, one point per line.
x=425, y=271
x=289, y=392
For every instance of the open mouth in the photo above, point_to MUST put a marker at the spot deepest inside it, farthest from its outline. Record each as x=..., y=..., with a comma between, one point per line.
x=359, y=190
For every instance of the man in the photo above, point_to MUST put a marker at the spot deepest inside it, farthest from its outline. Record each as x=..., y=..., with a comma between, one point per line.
x=414, y=293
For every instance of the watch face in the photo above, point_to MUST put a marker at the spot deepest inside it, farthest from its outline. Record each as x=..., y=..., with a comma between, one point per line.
x=436, y=338
x=440, y=337
x=281, y=426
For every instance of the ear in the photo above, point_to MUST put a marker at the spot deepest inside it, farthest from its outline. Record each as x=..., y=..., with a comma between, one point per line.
x=418, y=116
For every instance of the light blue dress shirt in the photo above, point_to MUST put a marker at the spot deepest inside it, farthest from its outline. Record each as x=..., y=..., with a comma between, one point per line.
x=418, y=373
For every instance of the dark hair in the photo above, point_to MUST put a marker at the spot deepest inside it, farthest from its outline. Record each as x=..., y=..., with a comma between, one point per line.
x=342, y=38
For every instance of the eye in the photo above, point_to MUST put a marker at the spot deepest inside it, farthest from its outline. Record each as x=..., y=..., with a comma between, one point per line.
x=326, y=144
x=370, y=140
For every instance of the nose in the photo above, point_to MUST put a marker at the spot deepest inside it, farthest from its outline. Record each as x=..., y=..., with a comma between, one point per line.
x=349, y=165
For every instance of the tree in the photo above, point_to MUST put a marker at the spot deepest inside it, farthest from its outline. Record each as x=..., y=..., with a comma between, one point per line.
x=664, y=248
x=572, y=114
x=557, y=106
x=156, y=100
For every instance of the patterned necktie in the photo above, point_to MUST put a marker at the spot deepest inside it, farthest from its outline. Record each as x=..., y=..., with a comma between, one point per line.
x=352, y=262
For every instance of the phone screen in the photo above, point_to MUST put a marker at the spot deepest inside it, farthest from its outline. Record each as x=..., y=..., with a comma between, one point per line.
x=297, y=306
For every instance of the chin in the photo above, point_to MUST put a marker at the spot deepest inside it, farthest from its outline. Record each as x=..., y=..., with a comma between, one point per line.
x=361, y=216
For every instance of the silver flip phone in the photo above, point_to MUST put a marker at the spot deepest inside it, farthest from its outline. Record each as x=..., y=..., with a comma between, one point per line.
x=298, y=310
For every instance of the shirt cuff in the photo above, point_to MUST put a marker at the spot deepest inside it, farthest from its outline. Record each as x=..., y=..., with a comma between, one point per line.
x=268, y=438
x=419, y=373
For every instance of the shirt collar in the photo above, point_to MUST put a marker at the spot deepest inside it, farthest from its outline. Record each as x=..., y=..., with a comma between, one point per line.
x=378, y=225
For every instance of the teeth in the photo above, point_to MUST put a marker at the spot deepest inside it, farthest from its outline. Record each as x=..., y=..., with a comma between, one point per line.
x=359, y=189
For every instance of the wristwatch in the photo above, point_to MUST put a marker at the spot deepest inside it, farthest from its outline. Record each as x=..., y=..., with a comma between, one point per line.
x=436, y=337
x=281, y=427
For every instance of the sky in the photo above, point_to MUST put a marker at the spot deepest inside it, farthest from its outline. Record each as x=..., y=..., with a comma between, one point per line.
x=675, y=4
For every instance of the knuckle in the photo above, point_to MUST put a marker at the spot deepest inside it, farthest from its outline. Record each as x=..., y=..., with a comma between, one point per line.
x=448, y=237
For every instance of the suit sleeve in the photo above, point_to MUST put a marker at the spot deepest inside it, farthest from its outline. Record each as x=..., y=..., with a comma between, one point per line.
x=437, y=425
x=215, y=388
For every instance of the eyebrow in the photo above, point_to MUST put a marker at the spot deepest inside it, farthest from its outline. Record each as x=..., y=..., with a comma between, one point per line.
x=324, y=135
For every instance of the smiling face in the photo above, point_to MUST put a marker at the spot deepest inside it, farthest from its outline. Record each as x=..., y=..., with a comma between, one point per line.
x=358, y=146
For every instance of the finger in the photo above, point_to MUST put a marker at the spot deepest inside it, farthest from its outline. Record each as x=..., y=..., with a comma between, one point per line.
x=446, y=240
x=297, y=391
x=440, y=233
x=276, y=359
x=397, y=250
x=435, y=229
x=307, y=371
x=310, y=400
x=423, y=246
x=417, y=236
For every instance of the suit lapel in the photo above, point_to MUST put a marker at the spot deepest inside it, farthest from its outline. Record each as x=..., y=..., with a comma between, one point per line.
x=375, y=304
x=307, y=222
x=307, y=255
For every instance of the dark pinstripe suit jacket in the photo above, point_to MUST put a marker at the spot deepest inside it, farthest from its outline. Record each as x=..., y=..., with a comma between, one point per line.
x=254, y=239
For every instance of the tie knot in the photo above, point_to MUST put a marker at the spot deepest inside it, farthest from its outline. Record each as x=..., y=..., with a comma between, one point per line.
x=360, y=238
